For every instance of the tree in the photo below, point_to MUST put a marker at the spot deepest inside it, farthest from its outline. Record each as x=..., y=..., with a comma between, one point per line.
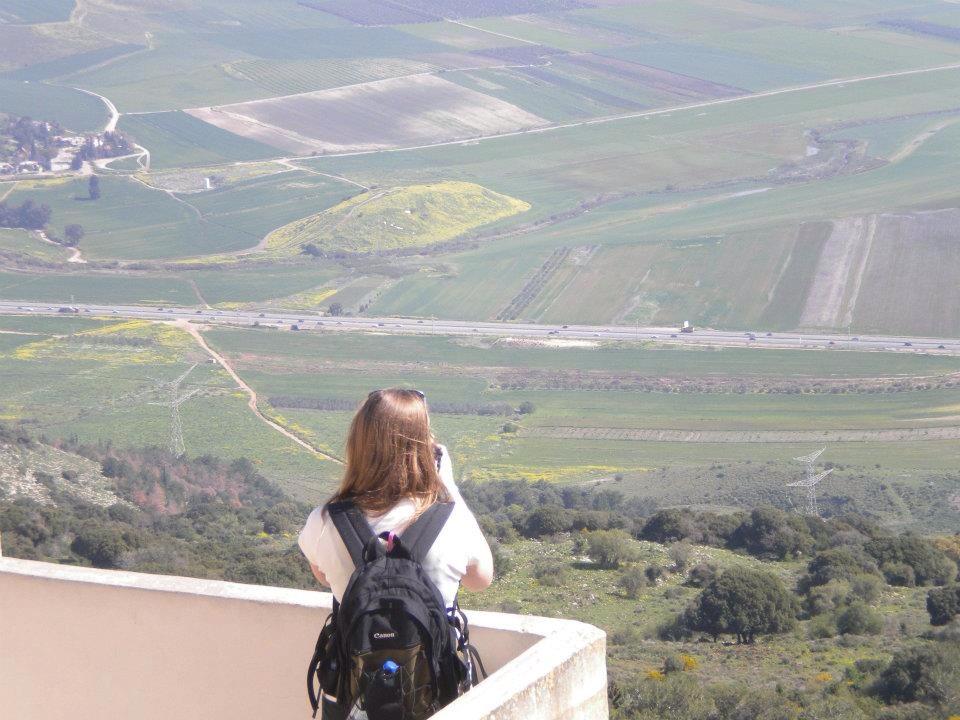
x=73, y=234
x=335, y=309
x=611, y=548
x=943, y=604
x=842, y=563
x=547, y=520
x=526, y=407
x=93, y=187
x=930, y=565
x=745, y=603
x=102, y=546
x=769, y=532
x=671, y=525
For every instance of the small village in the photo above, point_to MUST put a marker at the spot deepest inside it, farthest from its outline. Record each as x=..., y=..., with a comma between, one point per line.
x=40, y=148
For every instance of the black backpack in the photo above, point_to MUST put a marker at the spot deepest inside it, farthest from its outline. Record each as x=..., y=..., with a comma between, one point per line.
x=390, y=646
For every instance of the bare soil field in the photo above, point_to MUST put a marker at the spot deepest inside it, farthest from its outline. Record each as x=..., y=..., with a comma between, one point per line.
x=682, y=87
x=840, y=268
x=398, y=112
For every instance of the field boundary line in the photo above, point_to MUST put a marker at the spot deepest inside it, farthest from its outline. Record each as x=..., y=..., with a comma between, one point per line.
x=492, y=32
x=672, y=435
x=194, y=332
x=289, y=164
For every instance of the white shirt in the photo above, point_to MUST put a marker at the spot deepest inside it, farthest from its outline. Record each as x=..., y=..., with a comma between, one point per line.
x=459, y=544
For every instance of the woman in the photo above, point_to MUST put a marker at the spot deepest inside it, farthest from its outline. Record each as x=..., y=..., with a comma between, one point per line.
x=395, y=471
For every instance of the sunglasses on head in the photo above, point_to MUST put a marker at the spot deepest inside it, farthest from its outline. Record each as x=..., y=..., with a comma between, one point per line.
x=419, y=394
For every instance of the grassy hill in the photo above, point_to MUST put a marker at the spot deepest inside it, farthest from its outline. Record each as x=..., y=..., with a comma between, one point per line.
x=409, y=217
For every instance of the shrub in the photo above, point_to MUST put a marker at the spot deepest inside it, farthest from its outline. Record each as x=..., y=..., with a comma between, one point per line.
x=929, y=674
x=681, y=553
x=943, y=604
x=859, y=619
x=898, y=573
x=822, y=627
x=550, y=573
x=653, y=573
x=526, y=407
x=827, y=598
x=930, y=566
x=632, y=581
x=701, y=574
x=611, y=548
x=672, y=664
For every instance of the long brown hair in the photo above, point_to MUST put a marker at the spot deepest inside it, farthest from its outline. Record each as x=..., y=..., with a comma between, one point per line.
x=390, y=454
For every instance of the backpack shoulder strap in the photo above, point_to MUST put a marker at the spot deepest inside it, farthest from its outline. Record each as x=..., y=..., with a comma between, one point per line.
x=420, y=536
x=353, y=528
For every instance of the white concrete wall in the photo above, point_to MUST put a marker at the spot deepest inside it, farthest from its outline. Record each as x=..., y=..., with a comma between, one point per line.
x=92, y=644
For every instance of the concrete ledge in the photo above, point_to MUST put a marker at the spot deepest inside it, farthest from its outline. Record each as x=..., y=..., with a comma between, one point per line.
x=98, y=644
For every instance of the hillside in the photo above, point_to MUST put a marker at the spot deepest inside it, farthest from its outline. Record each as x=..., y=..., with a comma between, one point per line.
x=404, y=218
x=851, y=610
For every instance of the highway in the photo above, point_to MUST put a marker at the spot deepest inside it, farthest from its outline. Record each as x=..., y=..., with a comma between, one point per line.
x=306, y=322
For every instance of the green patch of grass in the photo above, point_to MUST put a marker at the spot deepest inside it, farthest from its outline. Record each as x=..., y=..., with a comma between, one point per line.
x=71, y=108
x=176, y=139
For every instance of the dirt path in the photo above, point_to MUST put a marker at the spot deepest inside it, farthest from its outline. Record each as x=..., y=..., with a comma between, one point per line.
x=491, y=32
x=744, y=436
x=287, y=164
x=6, y=193
x=111, y=108
x=911, y=147
x=200, y=297
x=252, y=403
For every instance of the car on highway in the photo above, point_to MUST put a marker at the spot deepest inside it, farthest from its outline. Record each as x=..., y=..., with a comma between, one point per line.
x=262, y=315
x=908, y=344
x=855, y=339
x=831, y=343
x=941, y=347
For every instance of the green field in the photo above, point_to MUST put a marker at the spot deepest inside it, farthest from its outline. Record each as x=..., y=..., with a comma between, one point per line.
x=73, y=109
x=25, y=12
x=180, y=140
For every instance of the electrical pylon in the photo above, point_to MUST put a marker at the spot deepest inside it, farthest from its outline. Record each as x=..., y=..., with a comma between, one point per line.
x=810, y=480
x=174, y=401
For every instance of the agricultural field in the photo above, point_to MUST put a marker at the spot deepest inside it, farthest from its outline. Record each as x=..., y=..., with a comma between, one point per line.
x=28, y=12
x=742, y=165
x=415, y=110
x=689, y=160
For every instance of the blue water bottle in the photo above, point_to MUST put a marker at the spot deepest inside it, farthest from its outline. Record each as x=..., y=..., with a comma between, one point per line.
x=384, y=694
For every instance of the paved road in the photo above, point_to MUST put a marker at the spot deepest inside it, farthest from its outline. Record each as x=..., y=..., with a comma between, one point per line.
x=393, y=325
